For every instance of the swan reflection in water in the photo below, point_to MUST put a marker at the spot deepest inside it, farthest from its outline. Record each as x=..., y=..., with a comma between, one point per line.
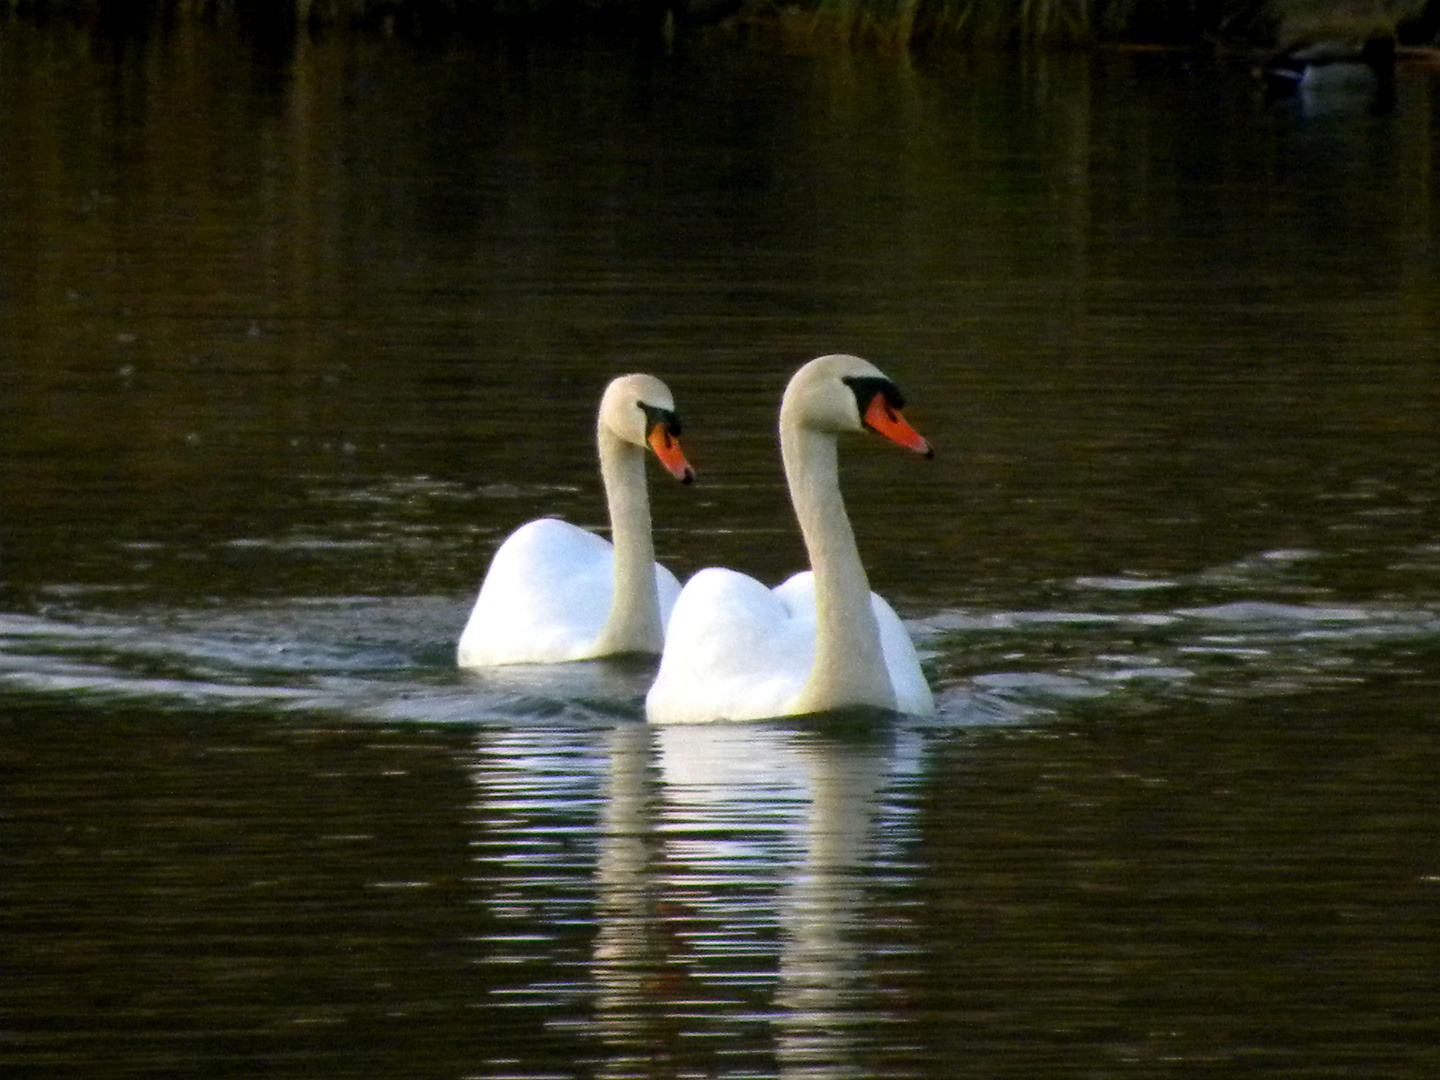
x=731, y=876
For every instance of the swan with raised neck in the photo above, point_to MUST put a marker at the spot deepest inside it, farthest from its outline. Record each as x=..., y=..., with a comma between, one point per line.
x=555, y=592
x=822, y=640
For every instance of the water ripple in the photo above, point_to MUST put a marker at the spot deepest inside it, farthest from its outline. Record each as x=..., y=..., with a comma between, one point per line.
x=390, y=659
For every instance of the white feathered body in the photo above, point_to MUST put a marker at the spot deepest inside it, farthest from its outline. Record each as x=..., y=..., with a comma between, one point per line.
x=753, y=649
x=546, y=597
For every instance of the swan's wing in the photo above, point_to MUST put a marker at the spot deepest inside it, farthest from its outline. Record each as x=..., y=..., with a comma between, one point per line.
x=667, y=587
x=544, y=598
x=912, y=692
x=797, y=593
x=734, y=650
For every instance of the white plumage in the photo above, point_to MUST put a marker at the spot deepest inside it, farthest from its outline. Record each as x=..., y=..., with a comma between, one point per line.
x=555, y=592
x=736, y=650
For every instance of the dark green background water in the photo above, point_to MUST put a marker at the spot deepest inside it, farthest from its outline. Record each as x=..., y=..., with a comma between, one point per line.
x=289, y=343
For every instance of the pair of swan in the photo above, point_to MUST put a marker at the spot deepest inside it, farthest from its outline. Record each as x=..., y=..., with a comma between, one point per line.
x=730, y=649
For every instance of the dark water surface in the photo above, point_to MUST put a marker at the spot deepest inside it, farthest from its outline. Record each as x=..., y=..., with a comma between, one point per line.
x=288, y=343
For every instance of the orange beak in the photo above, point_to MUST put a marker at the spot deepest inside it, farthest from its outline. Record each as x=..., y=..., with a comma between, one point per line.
x=888, y=422
x=667, y=449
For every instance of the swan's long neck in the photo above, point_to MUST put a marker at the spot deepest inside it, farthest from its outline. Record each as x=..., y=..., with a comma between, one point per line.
x=634, y=622
x=849, y=666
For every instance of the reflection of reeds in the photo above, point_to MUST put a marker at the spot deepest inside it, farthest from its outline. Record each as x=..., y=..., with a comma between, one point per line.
x=1304, y=20
x=873, y=23
x=1024, y=23
x=904, y=24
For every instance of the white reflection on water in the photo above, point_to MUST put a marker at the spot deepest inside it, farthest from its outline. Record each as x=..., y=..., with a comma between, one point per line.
x=731, y=877
x=653, y=886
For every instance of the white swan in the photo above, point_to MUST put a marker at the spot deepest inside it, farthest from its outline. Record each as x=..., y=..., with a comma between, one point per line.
x=736, y=650
x=556, y=592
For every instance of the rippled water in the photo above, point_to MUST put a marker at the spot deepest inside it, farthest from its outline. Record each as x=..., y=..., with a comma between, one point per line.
x=290, y=342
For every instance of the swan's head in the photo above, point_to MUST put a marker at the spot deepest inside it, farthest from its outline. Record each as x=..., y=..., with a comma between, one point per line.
x=639, y=409
x=845, y=393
